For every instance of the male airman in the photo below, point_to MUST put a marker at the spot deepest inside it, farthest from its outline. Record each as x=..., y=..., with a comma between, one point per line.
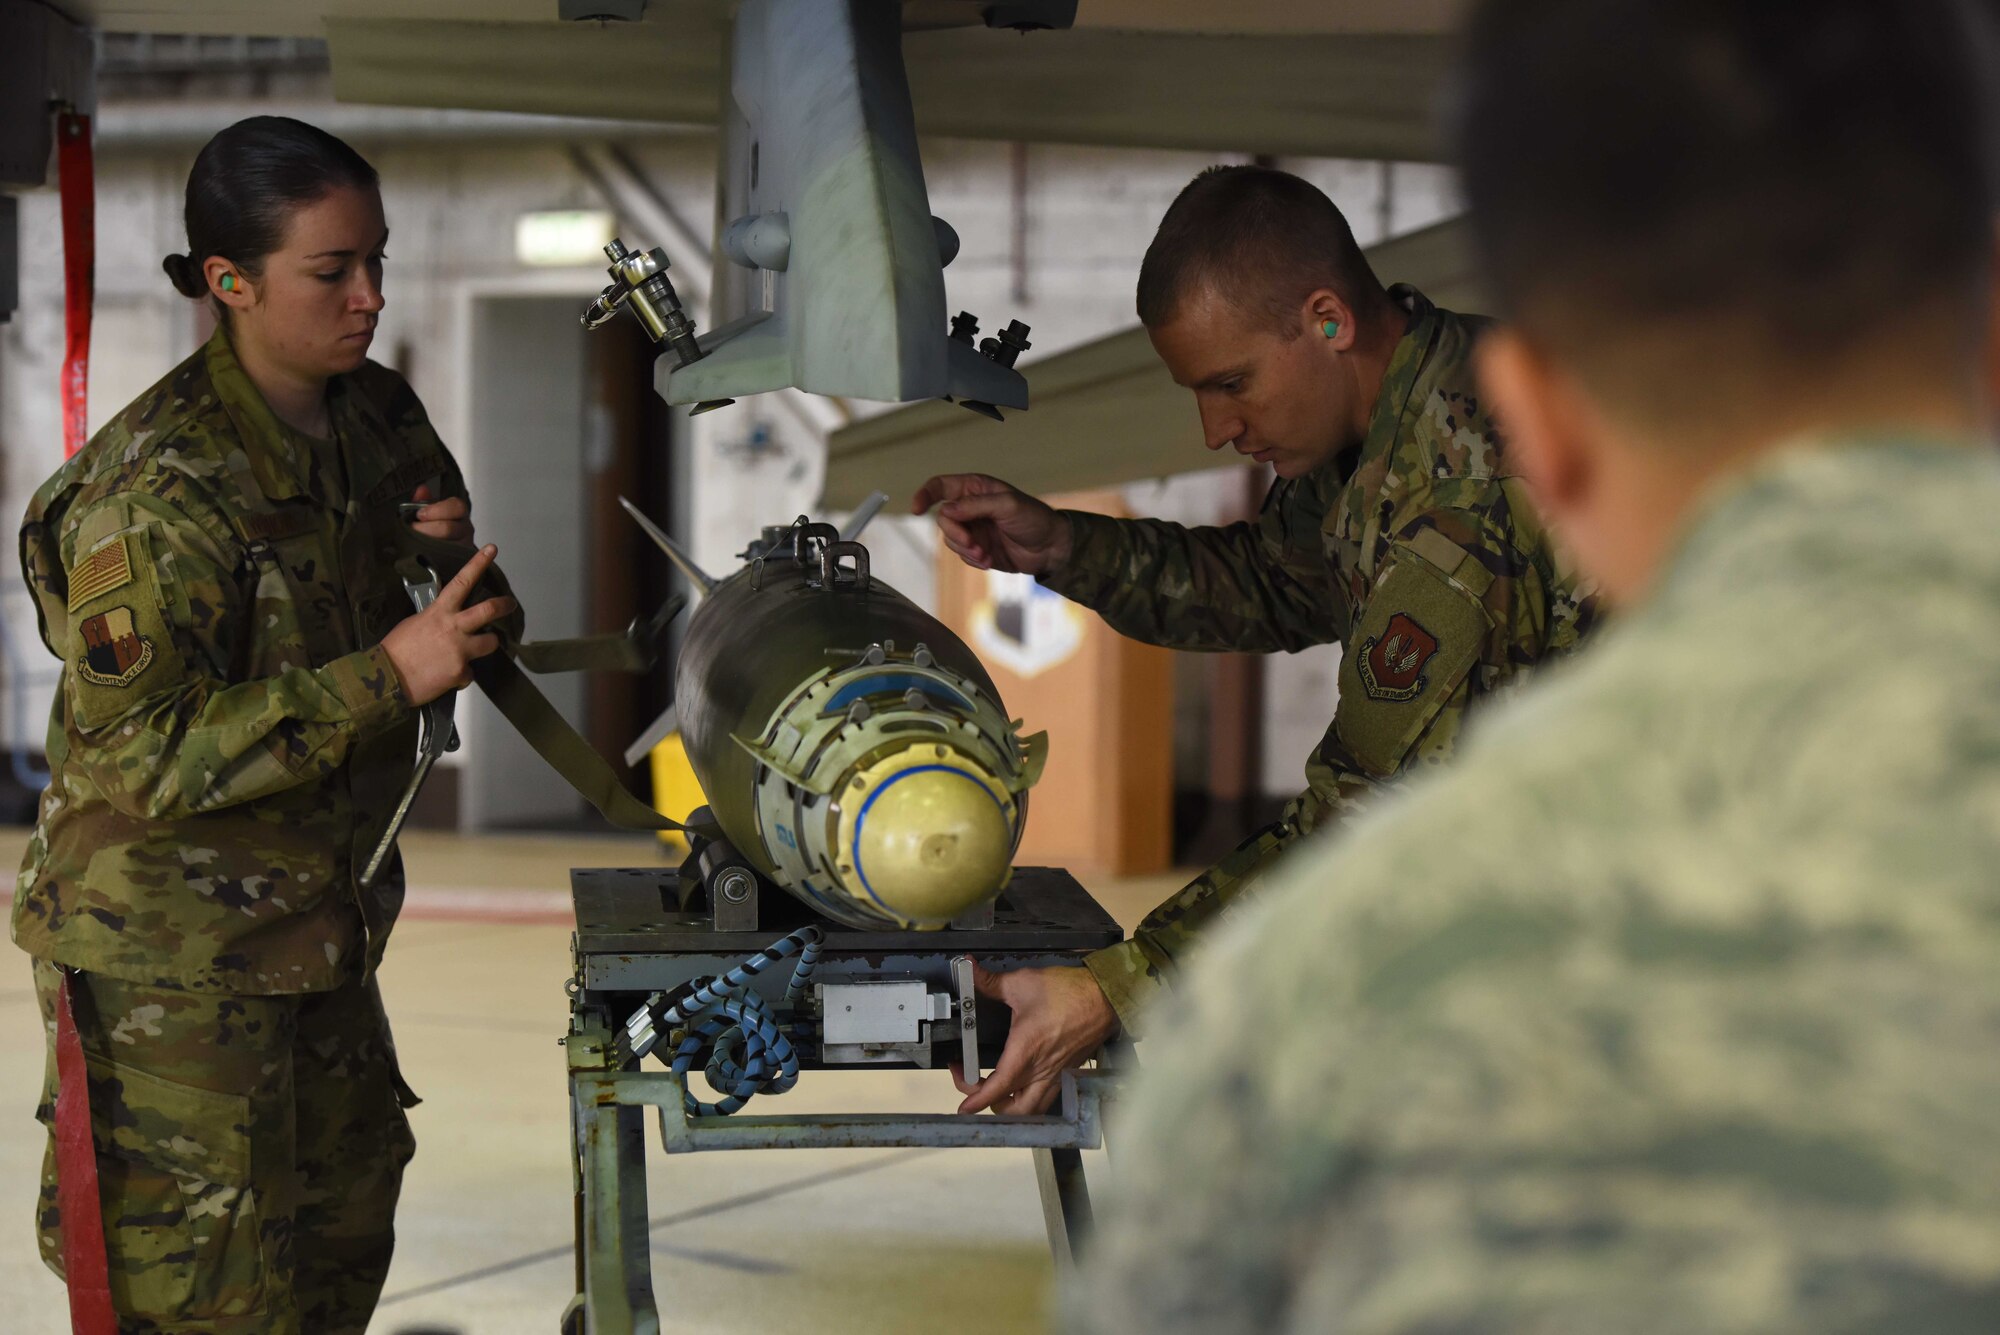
x=1397, y=525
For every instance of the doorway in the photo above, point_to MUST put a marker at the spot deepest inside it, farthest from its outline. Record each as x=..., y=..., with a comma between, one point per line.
x=562, y=424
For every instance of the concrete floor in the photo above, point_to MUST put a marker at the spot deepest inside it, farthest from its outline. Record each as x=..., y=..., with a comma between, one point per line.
x=869, y=1242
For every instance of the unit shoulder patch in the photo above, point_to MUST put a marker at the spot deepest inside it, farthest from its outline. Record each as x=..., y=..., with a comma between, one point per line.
x=1392, y=663
x=118, y=646
x=114, y=652
x=1415, y=642
x=106, y=570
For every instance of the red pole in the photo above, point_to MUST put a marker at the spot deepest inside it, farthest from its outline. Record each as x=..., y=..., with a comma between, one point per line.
x=82, y=1209
x=79, y=224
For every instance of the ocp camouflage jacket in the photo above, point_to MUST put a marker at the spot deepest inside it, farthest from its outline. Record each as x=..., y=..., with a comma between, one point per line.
x=1420, y=553
x=229, y=736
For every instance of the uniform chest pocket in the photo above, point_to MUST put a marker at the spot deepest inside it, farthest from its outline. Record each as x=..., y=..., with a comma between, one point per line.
x=298, y=607
x=380, y=599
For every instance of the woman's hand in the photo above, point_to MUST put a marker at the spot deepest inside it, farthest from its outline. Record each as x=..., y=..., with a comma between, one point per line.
x=434, y=650
x=449, y=519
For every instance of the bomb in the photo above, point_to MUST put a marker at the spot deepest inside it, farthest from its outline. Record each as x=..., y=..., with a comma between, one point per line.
x=851, y=748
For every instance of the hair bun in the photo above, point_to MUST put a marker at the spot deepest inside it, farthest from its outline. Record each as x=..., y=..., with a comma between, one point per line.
x=185, y=277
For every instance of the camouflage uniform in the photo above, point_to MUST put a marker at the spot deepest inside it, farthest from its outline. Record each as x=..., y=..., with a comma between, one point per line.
x=1420, y=553
x=1688, y=1025
x=227, y=745
x=251, y=1149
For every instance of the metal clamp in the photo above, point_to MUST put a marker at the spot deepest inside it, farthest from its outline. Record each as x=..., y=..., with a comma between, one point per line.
x=968, y=1016
x=731, y=886
x=437, y=734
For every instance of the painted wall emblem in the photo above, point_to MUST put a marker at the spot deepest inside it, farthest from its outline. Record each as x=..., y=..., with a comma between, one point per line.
x=1024, y=627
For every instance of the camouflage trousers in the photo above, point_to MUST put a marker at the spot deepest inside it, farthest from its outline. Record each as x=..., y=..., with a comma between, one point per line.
x=250, y=1150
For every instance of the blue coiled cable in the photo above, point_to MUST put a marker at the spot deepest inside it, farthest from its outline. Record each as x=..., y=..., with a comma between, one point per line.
x=750, y=1053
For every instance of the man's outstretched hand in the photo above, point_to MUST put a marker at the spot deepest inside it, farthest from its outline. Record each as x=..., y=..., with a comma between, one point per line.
x=993, y=526
x=1061, y=1019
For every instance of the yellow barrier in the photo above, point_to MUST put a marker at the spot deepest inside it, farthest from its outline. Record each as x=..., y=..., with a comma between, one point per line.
x=675, y=790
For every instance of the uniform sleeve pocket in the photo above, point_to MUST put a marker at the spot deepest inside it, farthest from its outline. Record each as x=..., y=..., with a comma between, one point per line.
x=1413, y=644
x=119, y=648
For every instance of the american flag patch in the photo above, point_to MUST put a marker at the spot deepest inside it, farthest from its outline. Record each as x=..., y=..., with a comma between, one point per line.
x=107, y=569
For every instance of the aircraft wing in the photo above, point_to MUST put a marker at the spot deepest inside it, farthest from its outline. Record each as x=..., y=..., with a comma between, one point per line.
x=1328, y=78
x=1105, y=413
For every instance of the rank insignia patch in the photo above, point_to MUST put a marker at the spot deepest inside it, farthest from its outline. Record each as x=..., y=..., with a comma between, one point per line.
x=114, y=652
x=105, y=570
x=1392, y=663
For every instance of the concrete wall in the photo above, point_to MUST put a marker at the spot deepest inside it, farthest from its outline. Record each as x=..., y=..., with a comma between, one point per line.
x=1051, y=235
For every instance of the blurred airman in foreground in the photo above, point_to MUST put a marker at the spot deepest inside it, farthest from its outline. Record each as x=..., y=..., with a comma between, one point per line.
x=1688, y=1026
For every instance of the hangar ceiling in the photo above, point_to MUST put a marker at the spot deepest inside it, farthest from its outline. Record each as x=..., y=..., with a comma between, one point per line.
x=1325, y=78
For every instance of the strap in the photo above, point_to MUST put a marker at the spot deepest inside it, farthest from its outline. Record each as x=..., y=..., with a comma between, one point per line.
x=500, y=677
x=628, y=651
x=524, y=706
x=591, y=653
x=633, y=650
x=84, y=1264
x=79, y=229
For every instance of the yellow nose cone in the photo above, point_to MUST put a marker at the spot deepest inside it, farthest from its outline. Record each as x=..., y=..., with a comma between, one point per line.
x=929, y=840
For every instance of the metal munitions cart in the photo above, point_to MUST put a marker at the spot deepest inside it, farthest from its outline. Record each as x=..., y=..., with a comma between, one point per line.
x=880, y=998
